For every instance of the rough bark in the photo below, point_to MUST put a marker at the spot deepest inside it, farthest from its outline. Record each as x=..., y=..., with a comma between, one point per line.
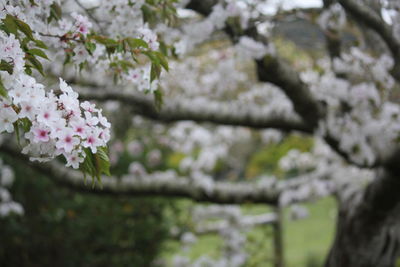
x=368, y=228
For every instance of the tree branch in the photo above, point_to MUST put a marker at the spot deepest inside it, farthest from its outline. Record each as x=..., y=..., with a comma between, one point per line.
x=334, y=144
x=273, y=70
x=187, y=109
x=245, y=222
x=168, y=184
x=367, y=16
x=162, y=184
x=280, y=73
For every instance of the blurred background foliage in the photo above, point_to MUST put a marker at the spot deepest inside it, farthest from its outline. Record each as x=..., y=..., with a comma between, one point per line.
x=66, y=228
x=266, y=159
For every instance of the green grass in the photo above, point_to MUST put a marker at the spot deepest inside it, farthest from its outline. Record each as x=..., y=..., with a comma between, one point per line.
x=306, y=241
x=309, y=239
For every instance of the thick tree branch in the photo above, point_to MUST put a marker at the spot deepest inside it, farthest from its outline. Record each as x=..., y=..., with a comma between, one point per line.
x=157, y=185
x=169, y=185
x=224, y=113
x=187, y=109
x=370, y=18
x=278, y=72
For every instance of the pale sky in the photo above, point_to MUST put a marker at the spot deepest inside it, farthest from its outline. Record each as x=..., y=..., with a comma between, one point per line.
x=272, y=5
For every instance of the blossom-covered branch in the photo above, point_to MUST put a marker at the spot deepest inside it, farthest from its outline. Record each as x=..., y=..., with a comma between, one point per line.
x=271, y=68
x=198, y=110
x=169, y=184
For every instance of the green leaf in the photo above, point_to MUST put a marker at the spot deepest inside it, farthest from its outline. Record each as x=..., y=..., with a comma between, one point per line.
x=32, y=2
x=163, y=48
x=68, y=57
x=25, y=124
x=55, y=11
x=24, y=43
x=158, y=99
x=87, y=166
x=151, y=55
x=102, y=162
x=37, y=52
x=157, y=58
x=90, y=47
x=10, y=24
x=105, y=41
x=147, y=14
x=16, y=129
x=6, y=66
x=124, y=64
x=163, y=61
x=23, y=27
x=135, y=43
x=120, y=47
x=3, y=90
x=36, y=64
x=28, y=69
x=96, y=164
x=40, y=44
x=154, y=72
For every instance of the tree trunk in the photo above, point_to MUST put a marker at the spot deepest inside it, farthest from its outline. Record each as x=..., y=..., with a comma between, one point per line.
x=368, y=227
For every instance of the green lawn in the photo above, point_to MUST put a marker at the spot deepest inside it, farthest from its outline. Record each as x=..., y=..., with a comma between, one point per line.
x=306, y=241
x=309, y=239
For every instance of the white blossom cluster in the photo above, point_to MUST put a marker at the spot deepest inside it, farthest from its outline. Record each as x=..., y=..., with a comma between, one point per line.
x=251, y=49
x=59, y=124
x=199, y=31
x=116, y=19
x=123, y=19
x=140, y=78
x=201, y=75
x=233, y=252
x=359, y=113
x=204, y=148
x=294, y=159
x=328, y=174
x=56, y=122
x=333, y=18
x=269, y=100
x=7, y=205
x=393, y=10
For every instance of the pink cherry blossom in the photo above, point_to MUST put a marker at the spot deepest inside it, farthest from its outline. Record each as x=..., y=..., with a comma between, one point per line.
x=41, y=133
x=66, y=140
x=93, y=140
x=73, y=159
